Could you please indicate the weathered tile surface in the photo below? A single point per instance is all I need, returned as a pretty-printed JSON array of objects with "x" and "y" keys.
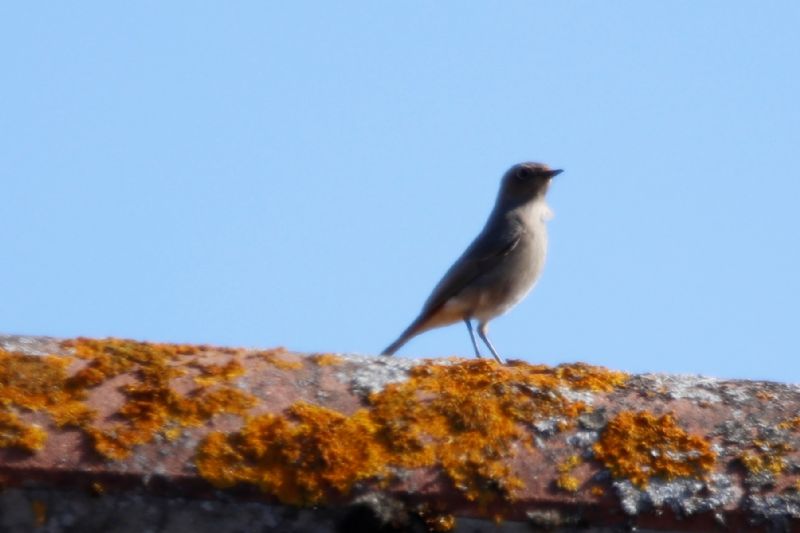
[{"x": 180, "y": 434}]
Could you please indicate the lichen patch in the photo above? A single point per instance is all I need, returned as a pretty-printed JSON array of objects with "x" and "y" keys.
[
  {"x": 464, "y": 417},
  {"x": 639, "y": 446},
  {"x": 152, "y": 404},
  {"x": 482, "y": 437}
]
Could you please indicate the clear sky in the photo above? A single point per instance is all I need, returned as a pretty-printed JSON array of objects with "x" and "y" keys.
[{"x": 302, "y": 174}]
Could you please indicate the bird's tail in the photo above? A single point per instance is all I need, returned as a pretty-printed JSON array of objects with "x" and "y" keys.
[
  {"x": 392, "y": 348},
  {"x": 411, "y": 331}
]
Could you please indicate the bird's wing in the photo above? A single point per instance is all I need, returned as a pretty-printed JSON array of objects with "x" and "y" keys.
[{"x": 481, "y": 256}]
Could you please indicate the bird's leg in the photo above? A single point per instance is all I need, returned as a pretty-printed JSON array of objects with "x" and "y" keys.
[
  {"x": 472, "y": 336},
  {"x": 482, "y": 327}
]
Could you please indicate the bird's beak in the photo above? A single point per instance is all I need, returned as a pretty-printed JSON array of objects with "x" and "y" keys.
[{"x": 556, "y": 172}]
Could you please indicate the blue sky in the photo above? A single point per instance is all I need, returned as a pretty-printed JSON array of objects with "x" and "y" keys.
[{"x": 302, "y": 174}]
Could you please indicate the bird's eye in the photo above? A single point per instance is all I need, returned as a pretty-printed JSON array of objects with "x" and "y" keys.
[{"x": 524, "y": 173}]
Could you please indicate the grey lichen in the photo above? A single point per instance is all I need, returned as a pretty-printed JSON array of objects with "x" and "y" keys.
[
  {"x": 583, "y": 440},
  {"x": 29, "y": 345},
  {"x": 682, "y": 387},
  {"x": 594, "y": 420},
  {"x": 551, "y": 519},
  {"x": 371, "y": 374},
  {"x": 684, "y": 496},
  {"x": 777, "y": 510}
]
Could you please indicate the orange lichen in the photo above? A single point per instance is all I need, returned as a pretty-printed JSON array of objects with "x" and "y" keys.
[
  {"x": 152, "y": 403},
  {"x": 149, "y": 411},
  {"x": 474, "y": 411},
  {"x": 765, "y": 396},
  {"x": 435, "y": 516},
  {"x": 465, "y": 417},
  {"x": 211, "y": 374},
  {"x": 17, "y": 434},
  {"x": 766, "y": 456},
  {"x": 640, "y": 445},
  {"x": 39, "y": 512},
  {"x": 37, "y": 383},
  {"x": 326, "y": 359},
  {"x": 792, "y": 424},
  {"x": 597, "y": 490},
  {"x": 97, "y": 488},
  {"x": 758, "y": 462},
  {"x": 440, "y": 522},
  {"x": 276, "y": 358},
  {"x": 565, "y": 480},
  {"x": 172, "y": 433},
  {"x": 302, "y": 456},
  {"x": 110, "y": 357},
  {"x": 568, "y": 483}
]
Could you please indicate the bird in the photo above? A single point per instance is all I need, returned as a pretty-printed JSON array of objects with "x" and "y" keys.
[{"x": 500, "y": 267}]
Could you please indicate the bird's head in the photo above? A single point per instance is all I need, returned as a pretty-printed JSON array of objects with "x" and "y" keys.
[{"x": 525, "y": 182}]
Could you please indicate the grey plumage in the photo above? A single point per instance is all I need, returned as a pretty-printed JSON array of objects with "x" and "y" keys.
[{"x": 500, "y": 266}]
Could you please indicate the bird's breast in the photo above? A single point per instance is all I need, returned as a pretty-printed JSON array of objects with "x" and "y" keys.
[{"x": 514, "y": 278}]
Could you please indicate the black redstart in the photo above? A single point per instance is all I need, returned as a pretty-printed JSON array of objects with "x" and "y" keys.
[{"x": 501, "y": 265}]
